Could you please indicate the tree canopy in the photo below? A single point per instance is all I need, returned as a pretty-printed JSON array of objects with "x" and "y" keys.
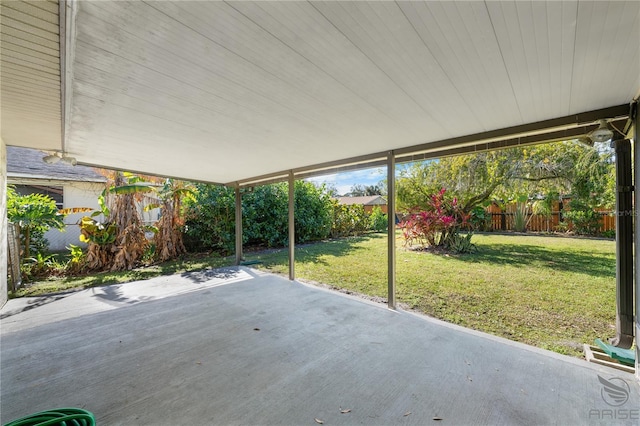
[
  {"x": 570, "y": 168},
  {"x": 359, "y": 190}
]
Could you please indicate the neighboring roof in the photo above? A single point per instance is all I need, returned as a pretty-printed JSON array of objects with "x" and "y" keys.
[
  {"x": 371, "y": 200},
  {"x": 232, "y": 91},
  {"x": 27, "y": 163}
]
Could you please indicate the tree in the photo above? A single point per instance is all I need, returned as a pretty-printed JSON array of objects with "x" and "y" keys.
[
  {"x": 118, "y": 243},
  {"x": 34, "y": 214},
  {"x": 359, "y": 190},
  {"x": 510, "y": 174},
  {"x": 168, "y": 238}
]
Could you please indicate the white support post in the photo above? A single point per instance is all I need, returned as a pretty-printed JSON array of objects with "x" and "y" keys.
[
  {"x": 292, "y": 228},
  {"x": 238, "y": 224},
  {"x": 391, "y": 230}
]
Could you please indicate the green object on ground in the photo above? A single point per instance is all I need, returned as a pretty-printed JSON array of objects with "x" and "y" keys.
[
  {"x": 57, "y": 417},
  {"x": 625, "y": 356},
  {"x": 250, "y": 262}
]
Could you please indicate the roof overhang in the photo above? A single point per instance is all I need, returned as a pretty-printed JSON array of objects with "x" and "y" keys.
[{"x": 245, "y": 92}]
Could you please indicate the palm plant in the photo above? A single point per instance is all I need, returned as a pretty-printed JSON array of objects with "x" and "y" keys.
[
  {"x": 168, "y": 237},
  {"x": 34, "y": 214}
]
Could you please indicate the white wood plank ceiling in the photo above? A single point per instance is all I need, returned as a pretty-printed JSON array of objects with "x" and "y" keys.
[
  {"x": 30, "y": 74},
  {"x": 226, "y": 91}
]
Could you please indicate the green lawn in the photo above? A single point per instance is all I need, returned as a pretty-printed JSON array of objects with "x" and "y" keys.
[{"x": 552, "y": 292}]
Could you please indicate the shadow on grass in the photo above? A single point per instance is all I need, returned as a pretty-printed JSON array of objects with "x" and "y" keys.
[
  {"x": 594, "y": 264},
  {"x": 313, "y": 252}
]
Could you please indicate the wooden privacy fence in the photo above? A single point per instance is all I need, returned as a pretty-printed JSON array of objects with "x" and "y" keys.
[{"x": 504, "y": 221}]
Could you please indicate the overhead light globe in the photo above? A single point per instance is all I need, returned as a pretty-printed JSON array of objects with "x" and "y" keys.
[
  {"x": 602, "y": 134},
  {"x": 51, "y": 159},
  {"x": 70, "y": 160}
]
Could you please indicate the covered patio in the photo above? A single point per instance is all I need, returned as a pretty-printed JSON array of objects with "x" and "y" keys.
[
  {"x": 236, "y": 346},
  {"x": 247, "y": 93}
]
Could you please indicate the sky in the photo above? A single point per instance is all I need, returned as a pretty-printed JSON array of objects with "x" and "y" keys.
[{"x": 343, "y": 181}]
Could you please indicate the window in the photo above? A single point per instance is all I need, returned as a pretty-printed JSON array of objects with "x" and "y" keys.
[{"x": 55, "y": 192}]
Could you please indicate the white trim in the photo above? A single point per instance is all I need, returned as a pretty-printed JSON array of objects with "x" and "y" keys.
[{"x": 39, "y": 178}]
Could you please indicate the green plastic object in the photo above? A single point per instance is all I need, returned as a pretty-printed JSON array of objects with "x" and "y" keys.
[
  {"x": 625, "y": 356},
  {"x": 250, "y": 262},
  {"x": 57, "y": 417}
]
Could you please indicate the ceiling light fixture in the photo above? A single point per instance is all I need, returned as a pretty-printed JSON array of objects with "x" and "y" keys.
[
  {"x": 57, "y": 156},
  {"x": 52, "y": 158},
  {"x": 69, "y": 160},
  {"x": 585, "y": 140},
  {"x": 602, "y": 134}
]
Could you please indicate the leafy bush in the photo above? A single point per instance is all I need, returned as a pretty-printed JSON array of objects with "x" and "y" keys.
[
  {"x": 377, "y": 220},
  {"x": 312, "y": 212},
  {"x": 438, "y": 225},
  {"x": 480, "y": 219},
  {"x": 583, "y": 217},
  {"x": 210, "y": 219},
  {"x": 76, "y": 259},
  {"x": 611, "y": 233},
  {"x": 585, "y": 222},
  {"x": 34, "y": 214},
  {"x": 210, "y": 223},
  {"x": 348, "y": 220},
  {"x": 462, "y": 244},
  {"x": 562, "y": 226},
  {"x": 40, "y": 266}
]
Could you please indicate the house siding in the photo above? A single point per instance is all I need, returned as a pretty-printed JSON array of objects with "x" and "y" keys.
[{"x": 76, "y": 194}]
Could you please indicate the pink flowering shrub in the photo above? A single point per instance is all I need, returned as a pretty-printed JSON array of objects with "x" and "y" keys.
[{"x": 437, "y": 225}]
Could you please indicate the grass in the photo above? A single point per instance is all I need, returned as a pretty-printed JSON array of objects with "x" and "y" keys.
[
  {"x": 552, "y": 292},
  {"x": 188, "y": 264}
]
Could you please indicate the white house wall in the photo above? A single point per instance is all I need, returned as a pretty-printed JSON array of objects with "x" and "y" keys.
[{"x": 76, "y": 194}]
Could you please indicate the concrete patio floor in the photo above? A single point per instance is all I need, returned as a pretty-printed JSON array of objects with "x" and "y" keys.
[{"x": 237, "y": 346}]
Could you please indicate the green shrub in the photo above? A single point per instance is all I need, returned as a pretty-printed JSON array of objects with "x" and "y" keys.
[
  {"x": 377, "y": 220},
  {"x": 34, "y": 214},
  {"x": 210, "y": 219},
  {"x": 210, "y": 216},
  {"x": 265, "y": 215},
  {"x": 461, "y": 243},
  {"x": 480, "y": 219},
  {"x": 348, "y": 220},
  {"x": 40, "y": 266},
  {"x": 562, "y": 226},
  {"x": 585, "y": 222},
  {"x": 76, "y": 260},
  {"x": 312, "y": 212},
  {"x": 611, "y": 233}
]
